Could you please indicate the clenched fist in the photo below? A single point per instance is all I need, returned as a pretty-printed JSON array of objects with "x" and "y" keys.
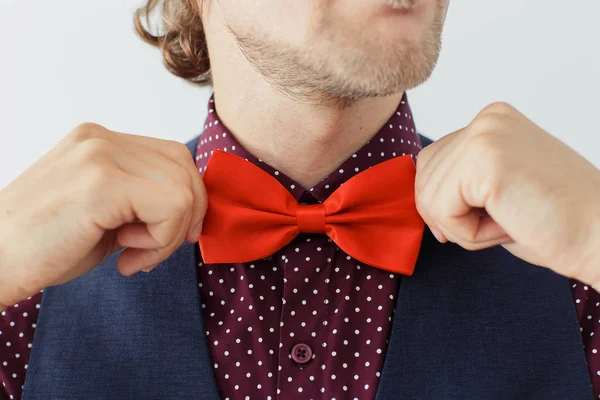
[
  {"x": 96, "y": 193},
  {"x": 503, "y": 180}
]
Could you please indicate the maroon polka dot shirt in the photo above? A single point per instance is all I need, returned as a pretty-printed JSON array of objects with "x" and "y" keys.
[{"x": 305, "y": 322}]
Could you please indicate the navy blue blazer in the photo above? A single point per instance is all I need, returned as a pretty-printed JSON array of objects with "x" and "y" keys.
[{"x": 468, "y": 325}]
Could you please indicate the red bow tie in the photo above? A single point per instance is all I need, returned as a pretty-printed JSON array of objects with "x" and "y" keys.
[{"x": 372, "y": 217}]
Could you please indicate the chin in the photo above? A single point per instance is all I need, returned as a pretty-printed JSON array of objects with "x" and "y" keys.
[{"x": 390, "y": 67}]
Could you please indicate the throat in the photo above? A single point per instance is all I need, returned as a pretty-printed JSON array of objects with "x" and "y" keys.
[{"x": 309, "y": 143}]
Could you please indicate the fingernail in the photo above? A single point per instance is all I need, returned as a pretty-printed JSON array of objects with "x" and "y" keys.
[
  {"x": 149, "y": 269},
  {"x": 438, "y": 235}
]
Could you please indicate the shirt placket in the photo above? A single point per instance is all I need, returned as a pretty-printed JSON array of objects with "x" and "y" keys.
[{"x": 304, "y": 317}]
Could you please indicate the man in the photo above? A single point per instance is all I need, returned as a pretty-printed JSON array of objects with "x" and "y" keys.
[{"x": 306, "y": 283}]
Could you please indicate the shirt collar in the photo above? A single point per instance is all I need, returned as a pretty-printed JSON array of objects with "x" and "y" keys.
[{"x": 396, "y": 138}]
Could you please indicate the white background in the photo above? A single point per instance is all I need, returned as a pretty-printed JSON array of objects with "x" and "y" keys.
[{"x": 63, "y": 62}]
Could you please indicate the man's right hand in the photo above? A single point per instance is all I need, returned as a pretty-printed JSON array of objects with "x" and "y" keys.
[{"x": 95, "y": 193}]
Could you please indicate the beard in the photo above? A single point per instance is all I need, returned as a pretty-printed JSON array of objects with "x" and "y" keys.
[{"x": 333, "y": 70}]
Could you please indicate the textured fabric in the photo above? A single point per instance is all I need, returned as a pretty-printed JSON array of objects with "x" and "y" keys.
[
  {"x": 483, "y": 325},
  {"x": 587, "y": 303},
  {"x": 457, "y": 323},
  {"x": 308, "y": 292},
  {"x": 110, "y": 337},
  {"x": 456, "y": 335},
  {"x": 373, "y": 217},
  {"x": 17, "y": 326}
]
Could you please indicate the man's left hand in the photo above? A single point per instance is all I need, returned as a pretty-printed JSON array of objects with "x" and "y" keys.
[{"x": 503, "y": 180}]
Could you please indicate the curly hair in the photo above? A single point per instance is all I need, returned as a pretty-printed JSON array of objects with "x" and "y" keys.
[{"x": 179, "y": 35}]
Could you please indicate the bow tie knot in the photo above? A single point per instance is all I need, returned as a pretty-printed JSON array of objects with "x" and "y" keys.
[{"x": 311, "y": 218}]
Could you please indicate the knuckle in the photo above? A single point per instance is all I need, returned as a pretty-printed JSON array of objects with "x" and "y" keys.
[
  {"x": 499, "y": 107},
  {"x": 166, "y": 236},
  {"x": 165, "y": 241},
  {"x": 177, "y": 149},
  {"x": 482, "y": 143},
  {"x": 183, "y": 175},
  {"x": 96, "y": 179},
  {"x": 85, "y": 131},
  {"x": 101, "y": 173},
  {"x": 182, "y": 200},
  {"x": 93, "y": 150},
  {"x": 483, "y": 124}
]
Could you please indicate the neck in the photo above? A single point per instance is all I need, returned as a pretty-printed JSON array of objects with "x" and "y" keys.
[{"x": 306, "y": 139}]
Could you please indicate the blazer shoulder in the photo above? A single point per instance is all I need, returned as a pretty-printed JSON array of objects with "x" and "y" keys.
[
  {"x": 425, "y": 141},
  {"x": 192, "y": 144}
]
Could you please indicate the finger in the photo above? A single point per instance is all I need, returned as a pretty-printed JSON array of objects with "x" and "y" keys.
[
  {"x": 144, "y": 251},
  {"x": 137, "y": 235},
  {"x": 430, "y": 190},
  {"x": 152, "y": 166},
  {"x": 428, "y": 157},
  {"x": 474, "y": 232},
  {"x": 149, "y": 269},
  {"x": 164, "y": 209},
  {"x": 481, "y": 213},
  {"x": 132, "y": 260},
  {"x": 155, "y": 166},
  {"x": 445, "y": 207},
  {"x": 180, "y": 154},
  {"x": 438, "y": 235}
]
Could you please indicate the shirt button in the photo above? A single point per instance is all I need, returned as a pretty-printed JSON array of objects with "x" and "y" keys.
[{"x": 301, "y": 353}]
